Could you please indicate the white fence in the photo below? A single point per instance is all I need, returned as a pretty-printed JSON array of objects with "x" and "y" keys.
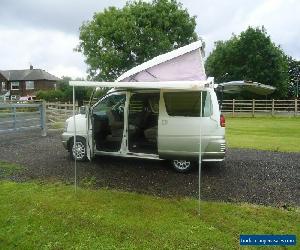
[
  {"x": 59, "y": 112},
  {"x": 261, "y": 107}
]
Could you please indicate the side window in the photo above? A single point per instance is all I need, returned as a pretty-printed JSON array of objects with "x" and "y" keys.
[
  {"x": 3, "y": 86},
  {"x": 29, "y": 84},
  {"x": 188, "y": 103},
  {"x": 141, "y": 100},
  {"x": 111, "y": 102},
  {"x": 206, "y": 104}
]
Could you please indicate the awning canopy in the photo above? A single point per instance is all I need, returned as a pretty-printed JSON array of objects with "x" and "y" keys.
[{"x": 172, "y": 85}]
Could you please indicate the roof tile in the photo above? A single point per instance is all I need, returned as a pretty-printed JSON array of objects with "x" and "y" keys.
[{"x": 28, "y": 75}]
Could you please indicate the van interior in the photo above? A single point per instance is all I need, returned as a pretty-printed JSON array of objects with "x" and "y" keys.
[
  {"x": 108, "y": 122},
  {"x": 143, "y": 123}
]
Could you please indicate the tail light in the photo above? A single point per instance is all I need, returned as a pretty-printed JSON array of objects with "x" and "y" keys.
[{"x": 222, "y": 121}]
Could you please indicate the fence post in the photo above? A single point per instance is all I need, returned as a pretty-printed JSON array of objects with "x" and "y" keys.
[
  {"x": 43, "y": 118},
  {"x": 233, "y": 103},
  {"x": 66, "y": 109},
  {"x": 253, "y": 107},
  {"x": 15, "y": 117},
  {"x": 296, "y": 107},
  {"x": 273, "y": 106}
]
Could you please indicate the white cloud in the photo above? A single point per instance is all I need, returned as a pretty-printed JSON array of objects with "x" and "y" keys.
[
  {"x": 50, "y": 50},
  {"x": 217, "y": 20},
  {"x": 281, "y": 19},
  {"x": 65, "y": 15},
  {"x": 44, "y": 33}
]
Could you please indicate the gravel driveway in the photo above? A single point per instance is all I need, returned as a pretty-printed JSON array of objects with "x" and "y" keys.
[{"x": 261, "y": 177}]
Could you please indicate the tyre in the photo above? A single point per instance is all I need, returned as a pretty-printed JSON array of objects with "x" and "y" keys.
[
  {"x": 80, "y": 149},
  {"x": 182, "y": 166}
]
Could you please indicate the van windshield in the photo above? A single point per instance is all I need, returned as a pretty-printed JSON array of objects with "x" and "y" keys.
[{"x": 188, "y": 103}]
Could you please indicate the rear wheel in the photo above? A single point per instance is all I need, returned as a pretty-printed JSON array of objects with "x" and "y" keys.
[
  {"x": 78, "y": 152},
  {"x": 182, "y": 166}
]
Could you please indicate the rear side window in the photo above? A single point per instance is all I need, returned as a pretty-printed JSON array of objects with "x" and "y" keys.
[{"x": 188, "y": 103}]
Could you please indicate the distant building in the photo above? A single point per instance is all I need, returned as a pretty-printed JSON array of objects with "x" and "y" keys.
[{"x": 26, "y": 82}]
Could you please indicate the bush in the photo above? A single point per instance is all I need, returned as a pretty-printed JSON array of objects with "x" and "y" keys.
[
  {"x": 64, "y": 93},
  {"x": 50, "y": 95}
]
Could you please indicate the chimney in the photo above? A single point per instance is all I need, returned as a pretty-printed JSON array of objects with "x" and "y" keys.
[{"x": 31, "y": 67}]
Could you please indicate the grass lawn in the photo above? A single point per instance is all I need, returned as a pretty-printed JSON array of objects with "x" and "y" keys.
[
  {"x": 7, "y": 169},
  {"x": 52, "y": 216},
  {"x": 57, "y": 125},
  {"x": 266, "y": 133}
]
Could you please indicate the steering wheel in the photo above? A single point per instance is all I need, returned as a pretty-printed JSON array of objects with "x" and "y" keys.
[{"x": 121, "y": 109}]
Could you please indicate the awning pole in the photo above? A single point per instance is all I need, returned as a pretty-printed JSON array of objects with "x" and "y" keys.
[
  {"x": 200, "y": 155},
  {"x": 74, "y": 144}
]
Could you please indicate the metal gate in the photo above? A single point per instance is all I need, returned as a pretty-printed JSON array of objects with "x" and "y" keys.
[{"x": 22, "y": 116}]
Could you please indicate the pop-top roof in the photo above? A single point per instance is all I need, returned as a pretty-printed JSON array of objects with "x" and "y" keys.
[{"x": 184, "y": 63}]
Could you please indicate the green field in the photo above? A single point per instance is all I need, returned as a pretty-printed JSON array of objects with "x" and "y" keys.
[
  {"x": 265, "y": 133},
  {"x": 52, "y": 216}
]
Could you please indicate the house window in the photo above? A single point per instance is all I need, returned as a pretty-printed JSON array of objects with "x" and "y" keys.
[
  {"x": 15, "y": 85},
  {"x": 29, "y": 84},
  {"x": 3, "y": 86}
]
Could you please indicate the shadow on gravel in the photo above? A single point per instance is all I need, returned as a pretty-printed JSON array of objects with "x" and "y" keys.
[{"x": 261, "y": 177}]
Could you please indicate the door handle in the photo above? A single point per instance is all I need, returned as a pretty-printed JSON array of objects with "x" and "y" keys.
[{"x": 164, "y": 122}]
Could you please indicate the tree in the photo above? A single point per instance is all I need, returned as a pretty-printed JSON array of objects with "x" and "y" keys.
[
  {"x": 115, "y": 40},
  {"x": 81, "y": 93},
  {"x": 294, "y": 77},
  {"x": 250, "y": 56}
]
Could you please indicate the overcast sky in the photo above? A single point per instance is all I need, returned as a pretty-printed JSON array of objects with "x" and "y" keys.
[{"x": 44, "y": 33}]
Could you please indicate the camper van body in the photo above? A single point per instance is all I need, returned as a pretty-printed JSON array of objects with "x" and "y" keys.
[{"x": 153, "y": 124}]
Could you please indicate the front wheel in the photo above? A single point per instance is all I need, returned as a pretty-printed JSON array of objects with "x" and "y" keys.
[
  {"x": 78, "y": 152},
  {"x": 182, "y": 166}
]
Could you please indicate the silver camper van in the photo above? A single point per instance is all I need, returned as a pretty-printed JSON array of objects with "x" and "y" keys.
[
  {"x": 151, "y": 124},
  {"x": 165, "y": 108}
]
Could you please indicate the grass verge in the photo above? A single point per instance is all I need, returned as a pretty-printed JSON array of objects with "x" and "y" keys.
[
  {"x": 264, "y": 133},
  {"x": 8, "y": 169},
  {"x": 56, "y": 125},
  {"x": 52, "y": 216}
]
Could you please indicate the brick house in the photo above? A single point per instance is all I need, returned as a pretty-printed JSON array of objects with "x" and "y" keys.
[{"x": 17, "y": 83}]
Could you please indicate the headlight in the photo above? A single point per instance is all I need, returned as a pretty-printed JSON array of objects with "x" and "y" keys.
[{"x": 66, "y": 126}]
